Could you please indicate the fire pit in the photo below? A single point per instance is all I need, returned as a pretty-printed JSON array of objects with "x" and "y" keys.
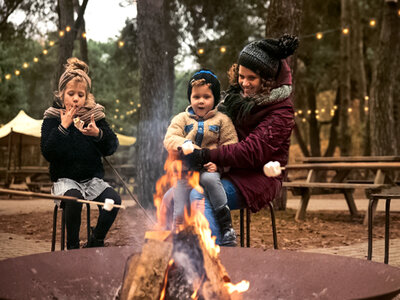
[{"x": 98, "y": 274}]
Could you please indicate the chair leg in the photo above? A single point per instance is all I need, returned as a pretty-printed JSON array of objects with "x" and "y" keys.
[
  {"x": 63, "y": 229},
  {"x": 248, "y": 228},
  {"x": 241, "y": 227},
  {"x": 387, "y": 227},
  {"x": 53, "y": 236},
  {"x": 274, "y": 235},
  {"x": 88, "y": 220},
  {"x": 370, "y": 227}
]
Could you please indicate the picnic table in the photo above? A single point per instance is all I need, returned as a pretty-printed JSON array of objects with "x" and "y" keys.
[
  {"x": 382, "y": 168},
  {"x": 33, "y": 178}
]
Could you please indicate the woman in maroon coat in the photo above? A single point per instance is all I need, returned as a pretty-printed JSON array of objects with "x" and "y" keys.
[{"x": 259, "y": 103}]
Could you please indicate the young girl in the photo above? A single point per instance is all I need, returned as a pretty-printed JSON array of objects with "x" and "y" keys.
[
  {"x": 203, "y": 125},
  {"x": 75, "y": 136}
]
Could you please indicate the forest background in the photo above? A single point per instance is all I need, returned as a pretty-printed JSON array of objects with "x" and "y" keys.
[{"x": 346, "y": 70}]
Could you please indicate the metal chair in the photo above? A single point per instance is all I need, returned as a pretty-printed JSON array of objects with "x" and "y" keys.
[
  {"x": 248, "y": 220},
  {"x": 391, "y": 194},
  {"x": 55, "y": 212}
]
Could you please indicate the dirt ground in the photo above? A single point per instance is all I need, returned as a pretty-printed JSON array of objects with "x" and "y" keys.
[{"x": 321, "y": 229}]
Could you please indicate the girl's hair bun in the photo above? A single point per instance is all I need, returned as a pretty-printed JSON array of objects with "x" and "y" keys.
[
  {"x": 287, "y": 45},
  {"x": 74, "y": 63}
]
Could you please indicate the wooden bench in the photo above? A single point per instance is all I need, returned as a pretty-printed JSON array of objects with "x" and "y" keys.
[{"x": 338, "y": 184}]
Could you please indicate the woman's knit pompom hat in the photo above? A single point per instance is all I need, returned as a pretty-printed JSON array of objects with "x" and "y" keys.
[
  {"x": 263, "y": 57},
  {"x": 210, "y": 78}
]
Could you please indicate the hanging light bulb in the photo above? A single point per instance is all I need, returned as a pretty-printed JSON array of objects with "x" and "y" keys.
[
  {"x": 35, "y": 59},
  {"x": 84, "y": 35},
  {"x": 17, "y": 72},
  {"x": 51, "y": 43},
  {"x": 68, "y": 28},
  {"x": 45, "y": 52},
  {"x": 61, "y": 33},
  {"x": 200, "y": 51},
  {"x": 25, "y": 65},
  {"x": 345, "y": 31},
  {"x": 222, "y": 49},
  {"x": 319, "y": 35},
  {"x": 7, "y": 76},
  {"x": 372, "y": 22},
  {"x": 121, "y": 44}
]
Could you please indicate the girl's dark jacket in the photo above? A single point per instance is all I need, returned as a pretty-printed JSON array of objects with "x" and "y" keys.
[
  {"x": 74, "y": 155},
  {"x": 264, "y": 135}
]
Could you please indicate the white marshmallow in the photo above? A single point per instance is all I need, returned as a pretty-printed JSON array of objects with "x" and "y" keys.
[
  {"x": 108, "y": 204},
  {"x": 272, "y": 169},
  {"x": 187, "y": 147}
]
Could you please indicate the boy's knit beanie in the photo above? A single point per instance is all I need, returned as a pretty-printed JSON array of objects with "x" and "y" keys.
[
  {"x": 210, "y": 78},
  {"x": 263, "y": 57}
]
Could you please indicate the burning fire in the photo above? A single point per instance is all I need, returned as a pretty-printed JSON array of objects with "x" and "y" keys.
[{"x": 195, "y": 217}]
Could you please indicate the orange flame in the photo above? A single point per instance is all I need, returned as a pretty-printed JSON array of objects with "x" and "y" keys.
[
  {"x": 162, "y": 295},
  {"x": 199, "y": 221},
  {"x": 173, "y": 172},
  {"x": 239, "y": 287},
  {"x": 193, "y": 217}
]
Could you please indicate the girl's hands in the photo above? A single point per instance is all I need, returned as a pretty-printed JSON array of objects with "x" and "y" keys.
[
  {"x": 91, "y": 129},
  {"x": 67, "y": 117},
  {"x": 210, "y": 167}
]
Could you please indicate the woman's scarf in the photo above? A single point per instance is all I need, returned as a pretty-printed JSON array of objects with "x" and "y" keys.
[
  {"x": 237, "y": 106},
  {"x": 84, "y": 113}
]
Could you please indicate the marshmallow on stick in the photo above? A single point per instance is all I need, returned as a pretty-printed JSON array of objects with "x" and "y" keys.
[
  {"x": 108, "y": 204},
  {"x": 187, "y": 147},
  {"x": 273, "y": 169}
]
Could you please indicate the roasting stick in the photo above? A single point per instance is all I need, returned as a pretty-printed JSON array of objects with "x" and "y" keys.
[
  {"x": 107, "y": 206},
  {"x": 130, "y": 193}
]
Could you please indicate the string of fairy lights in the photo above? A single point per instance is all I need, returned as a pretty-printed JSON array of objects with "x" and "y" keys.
[
  {"x": 201, "y": 51},
  {"x": 45, "y": 51},
  {"x": 122, "y": 116}
]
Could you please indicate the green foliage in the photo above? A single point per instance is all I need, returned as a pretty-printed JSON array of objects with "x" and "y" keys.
[
  {"x": 212, "y": 24},
  {"x": 31, "y": 90},
  {"x": 115, "y": 76}
]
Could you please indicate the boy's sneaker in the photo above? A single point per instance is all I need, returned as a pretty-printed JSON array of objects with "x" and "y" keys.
[{"x": 229, "y": 238}]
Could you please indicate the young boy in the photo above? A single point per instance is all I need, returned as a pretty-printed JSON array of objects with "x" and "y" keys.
[{"x": 205, "y": 127}]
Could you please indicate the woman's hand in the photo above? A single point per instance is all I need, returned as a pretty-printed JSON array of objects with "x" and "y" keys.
[
  {"x": 210, "y": 167},
  {"x": 67, "y": 117},
  {"x": 91, "y": 129}
]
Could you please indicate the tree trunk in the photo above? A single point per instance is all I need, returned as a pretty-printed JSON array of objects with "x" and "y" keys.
[
  {"x": 344, "y": 81},
  {"x": 82, "y": 40},
  {"x": 358, "y": 72},
  {"x": 382, "y": 100},
  {"x": 156, "y": 93},
  {"x": 313, "y": 123},
  {"x": 284, "y": 16},
  {"x": 333, "y": 136},
  {"x": 66, "y": 42}
]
